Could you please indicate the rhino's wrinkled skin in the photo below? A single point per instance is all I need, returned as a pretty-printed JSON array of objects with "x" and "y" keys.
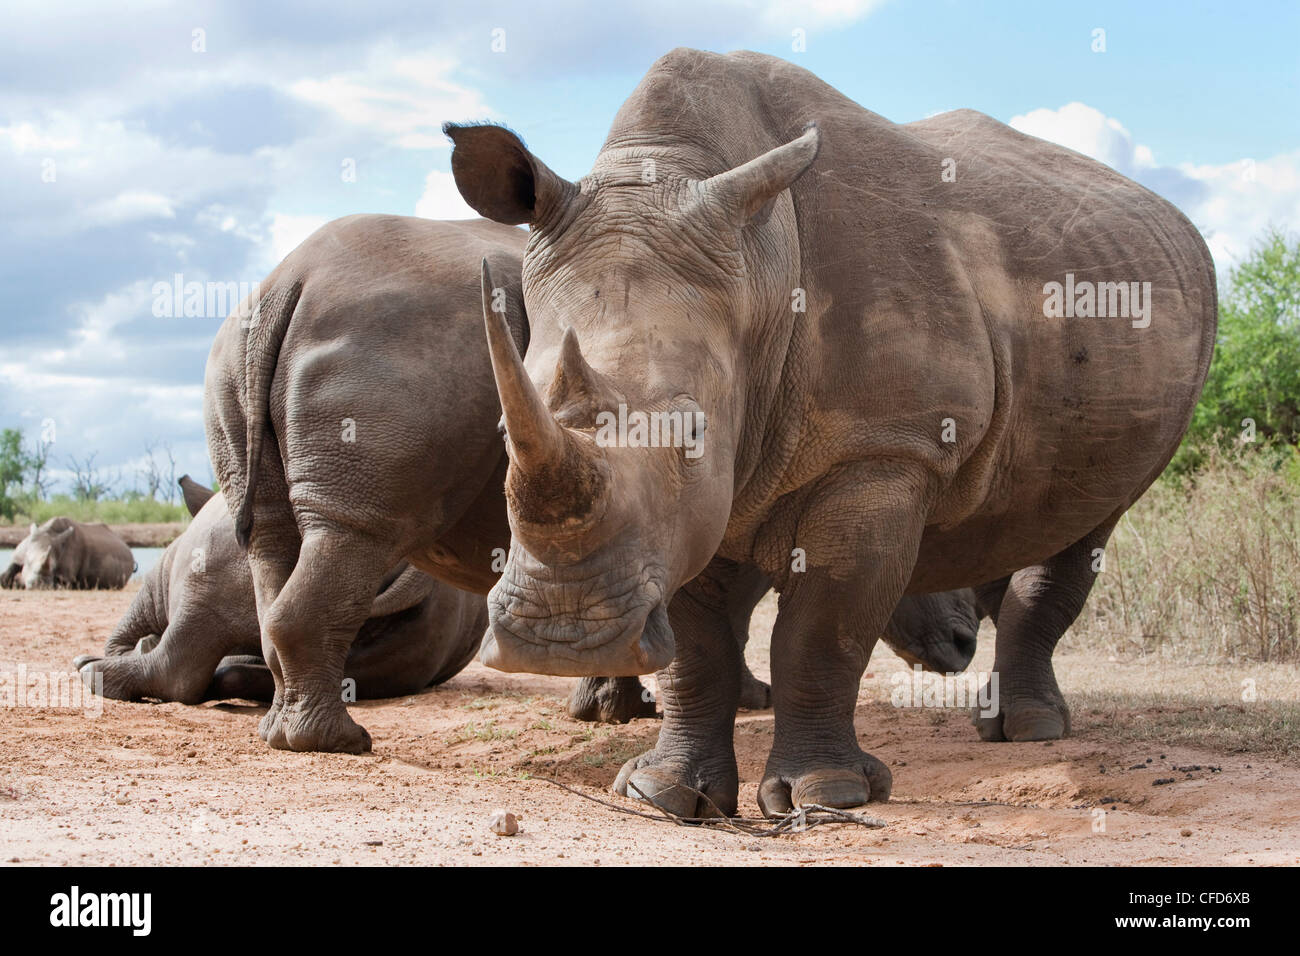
[
  {"x": 881, "y": 389},
  {"x": 191, "y": 633},
  {"x": 63, "y": 553}
]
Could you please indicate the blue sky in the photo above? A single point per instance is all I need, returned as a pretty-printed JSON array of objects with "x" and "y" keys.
[{"x": 159, "y": 138}]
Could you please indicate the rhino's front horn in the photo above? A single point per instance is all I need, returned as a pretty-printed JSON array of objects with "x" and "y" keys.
[{"x": 536, "y": 439}]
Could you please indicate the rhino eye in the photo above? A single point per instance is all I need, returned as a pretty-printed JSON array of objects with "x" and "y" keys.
[{"x": 578, "y": 415}]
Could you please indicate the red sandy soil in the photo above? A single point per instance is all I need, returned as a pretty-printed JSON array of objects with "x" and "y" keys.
[{"x": 165, "y": 783}]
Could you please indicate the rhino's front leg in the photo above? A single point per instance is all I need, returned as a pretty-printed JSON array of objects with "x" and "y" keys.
[
  {"x": 859, "y": 538},
  {"x": 691, "y": 772}
]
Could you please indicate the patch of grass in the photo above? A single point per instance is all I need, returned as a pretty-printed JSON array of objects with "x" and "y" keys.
[
  {"x": 1206, "y": 567},
  {"x": 485, "y": 731},
  {"x": 126, "y": 510},
  {"x": 493, "y": 701},
  {"x": 1269, "y": 728}
]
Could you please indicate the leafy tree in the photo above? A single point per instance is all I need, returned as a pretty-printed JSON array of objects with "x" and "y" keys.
[
  {"x": 1254, "y": 383},
  {"x": 14, "y": 464}
]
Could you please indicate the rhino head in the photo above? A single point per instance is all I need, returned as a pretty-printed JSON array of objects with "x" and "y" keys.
[
  {"x": 624, "y": 426},
  {"x": 39, "y": 554},
  {"x": 937, "y": 631}
]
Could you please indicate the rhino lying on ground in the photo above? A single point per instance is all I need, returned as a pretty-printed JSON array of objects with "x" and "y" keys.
[
  {"x": 191, "y": 633},
  {"x": 870, "y": 366},
  {"x": 63, "y": 553},
  {"x": 371, "y": 333}
]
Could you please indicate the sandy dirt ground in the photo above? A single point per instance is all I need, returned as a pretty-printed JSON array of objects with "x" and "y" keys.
[{"x": 165, "y": 783}]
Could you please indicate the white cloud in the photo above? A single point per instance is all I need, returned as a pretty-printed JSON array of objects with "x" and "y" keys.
[
  {"x": 288, "y": 232},
  {"x": 129, "y": 206},
  {"x": 1231, "y": 203},
  {"x": 403, "y": 99},
  {"x": 1088, "y": 131},
  {"x": 94, "y": 333},
  {"x": 1244, "y": 198},
  {"x": 79, "y": 173},
  {"x": 807, "y": 14},
  {"x": 441, "y": 199}
]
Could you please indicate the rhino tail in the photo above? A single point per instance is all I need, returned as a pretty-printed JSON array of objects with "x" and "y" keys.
[
  {"x": 406, "y": 590},
  {"x": 266, "y": 329}
]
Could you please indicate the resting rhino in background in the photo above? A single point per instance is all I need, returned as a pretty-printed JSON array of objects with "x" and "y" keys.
[
  {"x": 63, "y": 553},
  {"x": 822, "y": 310},
  {"x": 371, "y": 333},
  {"x": 193, "y": 624}
]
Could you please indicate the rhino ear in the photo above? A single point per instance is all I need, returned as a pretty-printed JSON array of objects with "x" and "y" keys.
[
  {"x": 500, "y": 179},
  {"x": 195, "y": 494},
  {"x": 746, "y": 194},
  {"x": 32, "y": 530}
]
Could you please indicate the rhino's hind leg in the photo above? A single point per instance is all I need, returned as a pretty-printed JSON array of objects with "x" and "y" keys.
[
  {"x": 174, "y": 667},
  {"x": 306, "y": 633},
  {"x": 691, "y": 772},
  {"x": 1040, "y": 603}
]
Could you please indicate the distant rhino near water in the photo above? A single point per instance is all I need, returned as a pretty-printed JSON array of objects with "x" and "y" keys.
[
  {"x": 191, "y": 634},
  {"x": 63, "y": 553}
]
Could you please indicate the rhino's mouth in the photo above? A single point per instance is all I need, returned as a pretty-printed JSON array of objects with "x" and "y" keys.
[
  {"x": 619, "y": 637},
  {"x": 949, "y": 655},
  {"x": 39, "y": 582},
  {"x": 602, "y": 615}
]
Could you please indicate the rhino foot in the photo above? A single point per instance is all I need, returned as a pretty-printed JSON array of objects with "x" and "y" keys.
[
  {"x": 114, "y": 678},
  {"x": 860, "y": 778},
  {"x": 685, "y": 787},
  {"x": 1024, "y": 719},
  {"x": 304, "y": 724},
  {"x": 611, "y": 700}
]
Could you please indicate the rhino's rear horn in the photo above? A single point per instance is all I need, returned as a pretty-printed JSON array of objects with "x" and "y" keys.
[{"x": 747, "y": 192}]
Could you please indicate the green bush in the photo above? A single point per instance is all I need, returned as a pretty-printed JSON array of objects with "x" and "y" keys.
[
  {"x": 129, "y": 509},
  {"x": 1254, "y": 379}
]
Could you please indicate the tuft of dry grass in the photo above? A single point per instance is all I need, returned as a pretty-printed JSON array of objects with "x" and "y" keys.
[{"x": 1207, "y": 567}]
